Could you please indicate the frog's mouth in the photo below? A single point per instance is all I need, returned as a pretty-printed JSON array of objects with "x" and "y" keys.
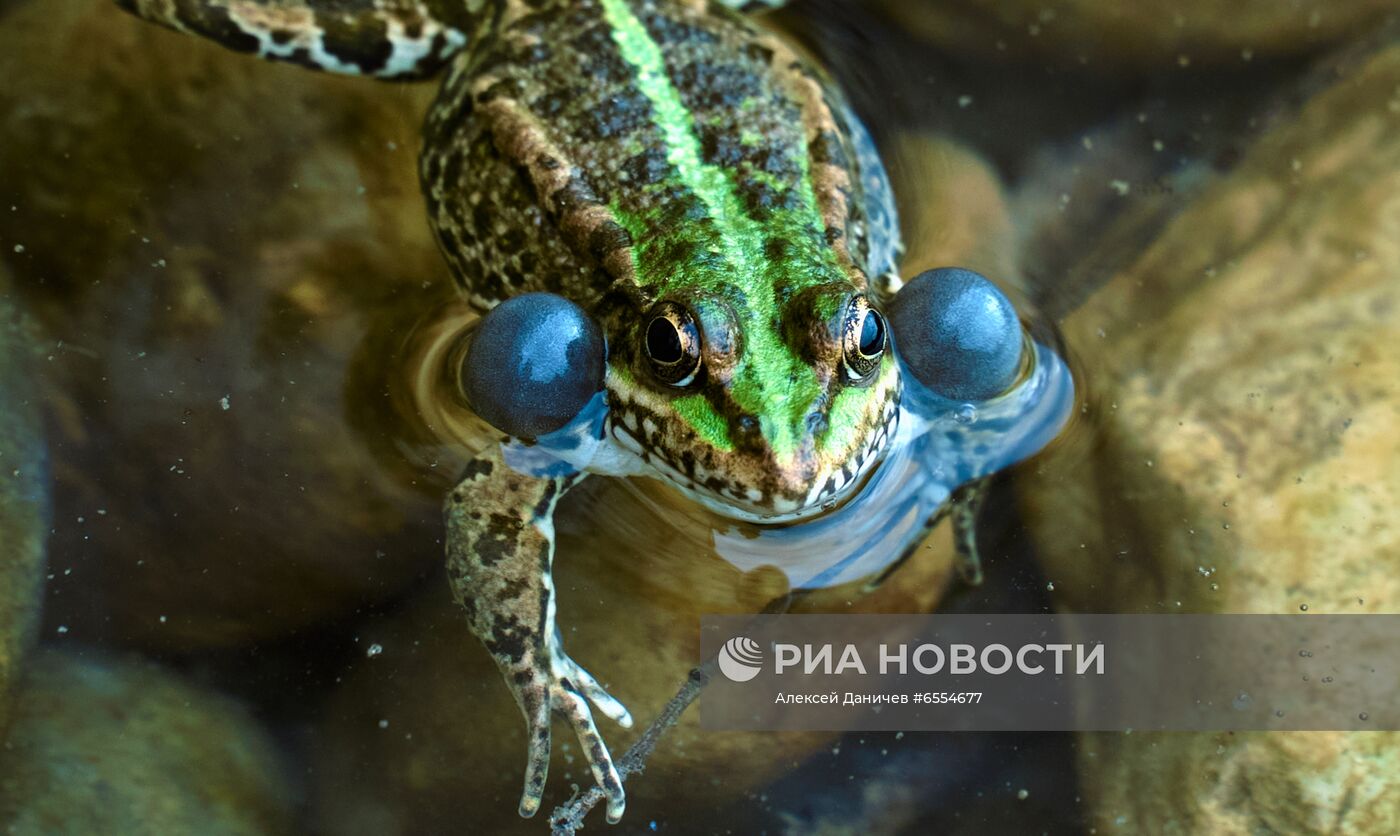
[{"x": 752, "y": 489}]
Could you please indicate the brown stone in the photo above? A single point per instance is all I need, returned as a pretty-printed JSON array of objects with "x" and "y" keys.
[
  {"x": 229, "y": 255},
  {"x": 123, "y": 747},
  {"x": 24, "y": 495},
  {"x": 952, "y": 208},
  {"x": 1237, "y": 453}
]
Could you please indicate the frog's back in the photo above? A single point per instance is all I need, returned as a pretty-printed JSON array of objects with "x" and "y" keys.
[{"x": 645, "y": 147}]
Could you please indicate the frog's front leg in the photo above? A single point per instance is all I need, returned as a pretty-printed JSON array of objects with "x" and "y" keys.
[
  {"x": 964, "y": 506},
  {"x": 500, "y": 549}
]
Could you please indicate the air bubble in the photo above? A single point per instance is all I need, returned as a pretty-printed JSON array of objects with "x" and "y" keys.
[
  {"x": 965, "y": 414},
  {"x": 1242, "y": 702}
]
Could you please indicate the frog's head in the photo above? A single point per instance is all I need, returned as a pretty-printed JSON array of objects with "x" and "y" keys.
[
  {"x": 765, "y": 408},
  {"x": 768, "y": 408}
]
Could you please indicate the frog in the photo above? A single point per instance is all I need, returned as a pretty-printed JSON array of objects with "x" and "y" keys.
[{"x": 683, "y": 248}]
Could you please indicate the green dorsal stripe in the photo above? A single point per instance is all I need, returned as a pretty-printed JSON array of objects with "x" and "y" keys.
[
  {"x": 743, "y": 237},
  {"x": 774, "y": 384}
]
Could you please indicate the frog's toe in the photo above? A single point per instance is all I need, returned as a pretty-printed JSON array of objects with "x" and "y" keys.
[
  {"x": 575, "y": 708},
  {"x": 530, "y": 804},
  {"x": 537, "y": 722},
  {"x": 598, "y": 695}
]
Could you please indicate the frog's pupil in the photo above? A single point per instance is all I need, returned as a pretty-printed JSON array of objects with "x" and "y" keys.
[
  {"x": 872, "y": 334},
  {"x": 664, "y": 341}
]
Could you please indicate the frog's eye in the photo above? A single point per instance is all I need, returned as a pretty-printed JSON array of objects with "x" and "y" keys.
[
  {"x": 534, "y": 361},
  {"x": 958, "y": 334},
  {"x": 863, "y": 340},
  {"x": 672, "y": 342}
]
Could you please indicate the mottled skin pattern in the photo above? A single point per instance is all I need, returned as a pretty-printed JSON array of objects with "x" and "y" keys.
[
  {"x": 402, "y": 39},
  {"x": 635, "y": 156},
  {"x": 499, "y": 565}
]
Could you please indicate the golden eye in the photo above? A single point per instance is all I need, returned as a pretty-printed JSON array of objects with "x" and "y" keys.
[
  {"x": 864, "y": 338},
  {"x": 672, "y": 343}
]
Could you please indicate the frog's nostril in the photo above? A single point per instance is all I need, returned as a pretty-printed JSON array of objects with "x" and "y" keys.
[{"x": 747, "y": 431}]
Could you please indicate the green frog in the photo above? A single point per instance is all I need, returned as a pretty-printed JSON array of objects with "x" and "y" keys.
[{"x": 684, "y": 247}]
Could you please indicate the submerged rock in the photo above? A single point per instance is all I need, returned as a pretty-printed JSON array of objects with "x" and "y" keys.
[
  {"x": 952, "y": 208},
  {"x": 24, "y": 496},
  {"x": 1237, "y": 453},
  {"x": 218, "y": 246},
  {"x": 125, "y": 748}
]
